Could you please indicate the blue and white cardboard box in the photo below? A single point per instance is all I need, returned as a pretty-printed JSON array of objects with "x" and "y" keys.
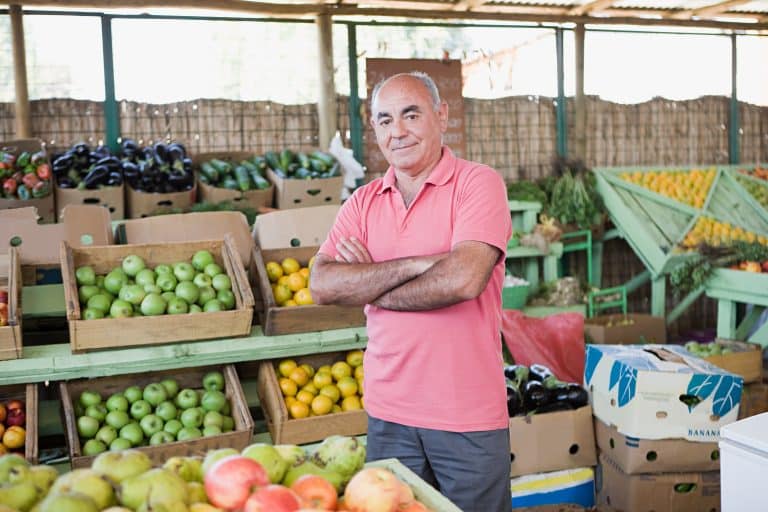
[
  {"x": 660, "y": 392},
  {"x": 572, "y": 486}
]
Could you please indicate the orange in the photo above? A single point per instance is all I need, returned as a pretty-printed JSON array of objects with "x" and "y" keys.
[
  {"x": 359, "y": 372},
  {"x": 321, "y": 404},
  {"x": 347, "y": 386},
  {"x": 299, "y": 410},
  {"x": 303, "y": 297},
  {"x": 288, "y": 387},
  {"x": 360, "y": 386},
  {"x": 336, "y": 408},
  {"x": 274, "y": 271},
  {"x": 299, "y": 376},
  {"x": 305, "y": 273},
  {"x": 340, "y": 369},
  {"x": 331, "y": 392},
  {"x": 290, "y": 303},
  {"x": 311, "y": 262},
  {"x": 290, "y": 400},
  {"x": 351, "y": 403},
  {"x": 305, "y": 396},
  {"x": 355, "y": 358},
  {"x": 308, "y": 368},
  {"x": 296, "y": 282},
  {"x": 324, "y": 368},
  {"x": 311, "y": 388},
  {"x": 290, "y": 265},
  {"x": 286, "y": 366},
  {"x": 282, "y": 294},
  {"x": 322, "y": 379},
  {"x": 283, "y": 280}
]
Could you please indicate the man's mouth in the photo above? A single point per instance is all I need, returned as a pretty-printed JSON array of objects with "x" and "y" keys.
[{"x": 404, "y": 146}]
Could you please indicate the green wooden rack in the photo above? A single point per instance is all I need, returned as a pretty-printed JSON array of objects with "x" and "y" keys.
[{"x": 529, "y": 262}]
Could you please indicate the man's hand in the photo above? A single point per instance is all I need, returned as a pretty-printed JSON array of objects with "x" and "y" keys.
[{"x": 352, "y": 250}]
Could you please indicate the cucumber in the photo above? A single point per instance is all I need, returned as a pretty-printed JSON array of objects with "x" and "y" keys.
[{"x": 243, "y": 178}]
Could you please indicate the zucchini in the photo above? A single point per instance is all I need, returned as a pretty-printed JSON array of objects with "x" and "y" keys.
[
  {"x": 326, "y": 158},
  {"x": 286, "y": 158},
  {"x": 303, "y": 160},
  {"x": 210, "y": 172},
  {"x": 221, "y": 166},
  {"x": 260, "y": 162},
  {"x": 259, "y": 180},
  {"x": 302, "y": 174},
  {"x": 273, "y": 161},
  {"x": 243, "y": 178},
  {"x": 230, "y": 183}
]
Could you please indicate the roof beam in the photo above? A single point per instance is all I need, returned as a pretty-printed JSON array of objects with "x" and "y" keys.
[
  {"x": 707, "y": 11},
  {"x": 468, "y": 5},
  {"x": 243, "y": 6},
  {"x": 591, "y": 6}
]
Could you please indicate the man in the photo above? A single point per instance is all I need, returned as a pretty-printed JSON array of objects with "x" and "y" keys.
[{"x": 423, "y": 248}]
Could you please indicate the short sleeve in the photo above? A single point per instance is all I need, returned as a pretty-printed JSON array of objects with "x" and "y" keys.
[
  {"x": 482, "y": 213},
  {"x": 347, "y": 224}
]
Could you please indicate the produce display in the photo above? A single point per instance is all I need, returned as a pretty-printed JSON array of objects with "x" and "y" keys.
[
  {"x": 26, "y": 176},
  {"x": 3, "y": 308},
  {"x": 290, "y": 282},
  {"x": 706, "y": 349},
  {"x": 716, "y": 233},
  {"x": 695, "y": 272},
  {"x": 195, "y": 286},
  {"x": 535, "y": 390},
  {"x": 302, "y": 166},
  {"x": 573, "y": 197},
  {"x": 84, "y": 168},
  {"x": 161, "y": 168},
  {"x": 159, "y": 413},
  {"x": 689, "y": 187},
  {"x": 13, "y": 422},
  {"x": 329, "y": 389},
  {"x": 758, "y": 190},
  {"x": 281, "y": 478},
  {"x": 758, "y": 172},
  {"x": 244, "y": 176}
]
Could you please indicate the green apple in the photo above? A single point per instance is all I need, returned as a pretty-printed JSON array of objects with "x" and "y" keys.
[
  {"x": 166, "y": 411},
  {"x": 133, "y": 264},
  {"x": 161, "y": 437},
  {"x": 117, "y": 419},
  {"x": 92, "y": 314},
  {"x": 121, "y": 309},
  {"x": 133, "y": 433},
  {"x": 87, "y": 426},
  {"x": 153, "y": 288},
  {"x": 172, "y": 427},
  {"x": 166, "y": 282},
  {"x": 226, "y": 410},
  {"x": 155, "y": 393},
  {"x": 228, "y": 424},
  {"x": 171, "y": 387},
  {"x": 106, "y": 435},
  {"x": 145, "y": 276},
  {"x": 163, "y": 269},
  {"x": 99, "y": 302},
  {"x": 213, "y": 418},
  {"x": 85, "y": 276},
  {"x": 168, "y": 296},
  {"x": 87, "y": 291},
  {"x": 133, "y": 393},
  {"x": 211, "y": 430},
  {"x": 188, "y": 433},
  {"x": 201, "y": 259},
  {"x": 227, "y": 299},
  {"x": 151, "y": 424},
  {"x": 213, "y": 305},
  {"x": 88, "y": 397},
  {"x": 132, "y": 293},
  {"x": 213, "y": 380},
  {"x": 115, "y": 280},
  {"x": 100, "y": 281},
  {"x": 117, "y": 402},
  {"x": 153, "y": 305},
  {"x": 192, "y": 417},
  {"x": 202, "y": 280},
  {"x": 207, "y": 293},
  {"x": 97, "y": 411},
  {"x": 184, "y": 271},
  {"x": 140, "y": 408},
  {"x": 187, "y": 291},
  {"x": 94, "y": 447},
  {"x": 177, "y": 306},
  {"x": 212, "y": 270},
  {"x": 120, "y": 444},
  {"x": 187, "y": 398},
  {"x": 194, "y": 308},
  {"x": 213, "y": 400},
  {"x": 222, "y": 282}
]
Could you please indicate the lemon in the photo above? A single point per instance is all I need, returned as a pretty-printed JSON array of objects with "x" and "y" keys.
[
  {"x": 282, "y": 294},
  {"x": 359, "y": 373},
  {"x": 351, "y": 403},
  {"x": 340, "y": 369},
  {"x": 304, "y": 272},
  {"x": 331, "y": 392},
  {"x": 286, "y": 366},
  {"x": 296, "y": 282},
  {"x": 305, "y": 396},
  {"x": 322, "y": 379},
  {"x": 288, "y": 387},
  {"x": 299, "y": 376},
  {"x": 336, "y": 408},
  {"x": 299, "y": 410},
  {"x": 347, "y": 386},
  {"x": 324, "y": 368},
  {"x": 321, "y": 404},
  {"x": 274, "y": 271},
  {"x": 283, "y": 280},
  {"x": 303, "y": 297},
  {"x": 290, "y": 265},
  {"x": 308, "y": 368},
  {"x": 311, "y": 388},
  {"x": 355, "y": 358},
  {"x": 290, "y": 303}
]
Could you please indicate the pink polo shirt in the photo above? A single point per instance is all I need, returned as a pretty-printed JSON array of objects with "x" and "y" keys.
[{"x": 438, "y": 369}]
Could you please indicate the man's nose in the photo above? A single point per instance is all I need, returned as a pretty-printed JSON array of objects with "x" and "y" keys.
[{"x": 398, "y": 128}]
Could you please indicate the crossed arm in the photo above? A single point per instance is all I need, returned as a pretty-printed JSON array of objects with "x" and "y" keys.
[{"x": 405, "y": 284}]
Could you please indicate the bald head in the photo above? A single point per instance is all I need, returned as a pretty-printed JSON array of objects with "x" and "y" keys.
[{"x": 422, "y": 77}]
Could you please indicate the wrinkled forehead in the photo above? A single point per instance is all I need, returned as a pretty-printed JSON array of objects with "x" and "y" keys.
[{"x": 401, "y": 90}]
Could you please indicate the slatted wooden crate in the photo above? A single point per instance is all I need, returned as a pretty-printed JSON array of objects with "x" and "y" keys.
[
  {"x": 10, "y": 279},
  {"x": 27, "y": 393}
]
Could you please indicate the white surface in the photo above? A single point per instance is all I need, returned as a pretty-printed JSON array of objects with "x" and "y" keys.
[
  {"x": 744, "y": 464},
  {"x": 751, "y": 432}
]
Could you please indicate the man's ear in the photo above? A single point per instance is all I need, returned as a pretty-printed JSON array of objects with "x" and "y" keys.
[{"x": 443, "y": 116}]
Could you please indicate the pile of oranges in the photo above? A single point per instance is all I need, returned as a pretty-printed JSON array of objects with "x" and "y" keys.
[
  {"x": 717, "y": 234},
  {"x": 290, "y": 282},
  {"x": 328, "y": 389},
  {"x": 689, "y": 187}
]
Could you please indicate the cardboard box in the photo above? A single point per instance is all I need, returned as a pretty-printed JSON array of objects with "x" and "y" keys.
[
  {"x": 754, "y": 399},
  {"x": 293, "y": 193},
  {"x": 111, "y": 198},
  {"x": 27, "y": 393},
  {"x": 45, "y": 206},
  {"x": 644, "y": 390},
  {"x": 10, "y": 281},
  {"x": 663, "y": 492},
  {"x": 144, "y": 204},
  {"x": 296, "y": 234},
  {"x": 38, "y": 245},
  {"x": 151, "y": 330},
  {"x": 571, "y": 486},
  {"x": 253, "y": 198},
  {"x": 745, "y": 360},
  {"x": 637, "y": 456},
  {"x": 191, "y": 378},
  {"x": 552, "y": 441},
  {"x": 625, "y": 329},
  {"x": 286, "y": 430}
]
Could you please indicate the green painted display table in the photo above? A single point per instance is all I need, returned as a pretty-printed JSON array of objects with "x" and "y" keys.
[
  {"x": 43, "y": 301},
  {"x": 730, "y": 287}
]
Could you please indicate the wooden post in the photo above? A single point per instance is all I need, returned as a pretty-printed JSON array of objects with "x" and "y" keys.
[
  {"x": 23, "y": 119},
  {"x": 580, "y": 112},
  {"x": 326, "y": 105}
]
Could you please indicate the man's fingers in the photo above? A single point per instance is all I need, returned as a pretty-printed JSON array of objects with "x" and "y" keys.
[{"x": 360, "y": 249}]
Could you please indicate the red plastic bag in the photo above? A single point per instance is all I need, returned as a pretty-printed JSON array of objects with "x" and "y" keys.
[{"x": 556, "y": 341}]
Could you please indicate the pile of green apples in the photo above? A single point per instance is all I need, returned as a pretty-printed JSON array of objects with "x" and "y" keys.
[
  {"x": 159, "y": 413},
  {"x": 706, "y": 349},
  {"x": 133, "y": 289}
]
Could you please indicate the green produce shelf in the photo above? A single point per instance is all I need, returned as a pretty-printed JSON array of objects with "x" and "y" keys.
[{"x": 730, "y": 287}]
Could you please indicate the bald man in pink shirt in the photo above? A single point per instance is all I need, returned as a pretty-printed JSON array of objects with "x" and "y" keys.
[{"x": 423, "y": 249}]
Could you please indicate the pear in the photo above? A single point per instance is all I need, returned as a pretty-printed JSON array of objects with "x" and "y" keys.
[
  {"x": 68, "y": 502},
  {"x": 20, "y": 495},
  {"x": 117, "y": 509},
  {"x": 292, "y": 454},
  {"x": 202, "y": 507},
  {"x": 196, "y": 493},
  {"x": 154, "y": 486},
  {"x": 215, "y": 455},
  {"x": 89, "y": 483},
  {"x": 341, "y": 454},
  {"x": 4, "y": 508},
  {"x": 9, "y": 461},
  {"x": 43, "y": 477},
  {"x": 310, "y": 468},
  {"x": 121, "y": 465},
  {"x": 19, "y": 474},
  {"x": 190, "y": 469},
  {"x": 175, "y": 506},
  {"x": 269, "y": 458}
]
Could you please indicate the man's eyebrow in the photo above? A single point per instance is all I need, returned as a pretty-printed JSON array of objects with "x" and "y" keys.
[
  {"x": 382, "y": 114},
  {"x": 410, "y": 108}
]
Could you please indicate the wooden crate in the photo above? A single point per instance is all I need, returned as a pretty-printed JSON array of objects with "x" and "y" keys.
[
  {"x": 151, "y": 330},
  {"x": 281, "y": 320},
  {"x": 746, "y": 360},
  {"x": 10, "y": 278},
  {"x": 283, "y": 428},
  {"x": 754, "y": 399},
  {"x": 239, "y": 438},
  {"x": 252, "y": 198},
  {"x": 27, "y": 393}
]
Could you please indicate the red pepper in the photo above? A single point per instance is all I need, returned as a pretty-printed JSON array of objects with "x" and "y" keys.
[
  {"x": 4, "y": 165},
  {"x": 9, "y": 187},
  {"x": 30, "y": 180},
  {"x": 44, "y": 172}
]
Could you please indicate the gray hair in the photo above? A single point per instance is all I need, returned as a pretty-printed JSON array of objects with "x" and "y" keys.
[{"x": 422, "y": 77}]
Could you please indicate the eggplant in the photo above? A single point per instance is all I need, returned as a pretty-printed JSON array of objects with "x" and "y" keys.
[
  {"x": 81, "y": 150},
  {"x": 514, "y": 400},
  {"x": 180, "y": 181},
  {"x": 97, "y": 176},
  {"x": 102, "y": 151},
  {"x": 130, "y": 170},
  {"x": 175, "y": 152},
  {"x": 577, "y": 396},
  {"x": 517, "y": 373},
  {"x": 553, "y": 407},
  {"x": 115, "y": 179},
  {"x": 129, "y": 148},
  {"x": 161, "y": 153},
  {"x": 539, "y": 372},
  {"x": 535, "y": 395},
  {"x": 65, "y": 182},
  {"x": 111, "y": 162}
]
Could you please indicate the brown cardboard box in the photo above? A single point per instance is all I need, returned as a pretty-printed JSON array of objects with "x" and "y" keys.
[
  {"x": 636, "y": 456},
  {"x": 286, "y": 430},
  {"x": 144, "y": 204},
  {"x": 45, "y": 206},
  {"x": 253, "y": 198},
  {"x": 10, "y": 281},
  {"x": 663, "y": 492},
  {"x": 38, "y": 245},
  {"x": 552, "y": 441},
  {"x": 613, "y": 329},
  {"x": 112, "y": 198},
  {"x": 754, "y": 399},
  {"x": 292, "y": 193},
  {"x": 294, "y": 228},
  {"x": 745, "y": 360}
]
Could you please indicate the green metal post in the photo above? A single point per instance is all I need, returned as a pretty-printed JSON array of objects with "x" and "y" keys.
[
  {"x": 734, "y": 125},
  {"x": 355, "y": 121},
  {"x": 111, "y": 116},
  {"x": 562, "y": 126}
]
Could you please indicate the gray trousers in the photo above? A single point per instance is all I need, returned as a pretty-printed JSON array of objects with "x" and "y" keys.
[{"x": 469, "y": 468}]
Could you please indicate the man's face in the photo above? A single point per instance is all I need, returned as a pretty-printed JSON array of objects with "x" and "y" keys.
[{"x": 408, "y": 129}]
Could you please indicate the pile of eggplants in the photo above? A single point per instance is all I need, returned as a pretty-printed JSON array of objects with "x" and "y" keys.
[
  {"x": 160, "y": 168},
  {"x": 84, "y": 168},
  {"x": 535, "y": 390}
]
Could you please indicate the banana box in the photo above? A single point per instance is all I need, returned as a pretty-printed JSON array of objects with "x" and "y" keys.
[{"x": 572, "y": 486}]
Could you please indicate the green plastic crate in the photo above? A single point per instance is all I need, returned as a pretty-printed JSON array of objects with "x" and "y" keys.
[{"x": 515, "y": 297}]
